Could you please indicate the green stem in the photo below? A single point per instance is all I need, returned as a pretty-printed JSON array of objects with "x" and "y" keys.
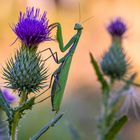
[
  {"x": 47, "y": 127},
  {"x": 105, "y": 113},
  {"x": 16, "y": 117},
  {"x": 106, "y": 121}
]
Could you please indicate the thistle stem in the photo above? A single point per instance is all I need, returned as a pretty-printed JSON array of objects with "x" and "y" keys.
[
  {"x": 16, "y": 117},
  {"x": 105, "y": 114},
  {"x": 104, "y": 122}
]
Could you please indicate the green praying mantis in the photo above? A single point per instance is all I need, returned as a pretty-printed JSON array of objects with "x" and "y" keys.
[{"x": 60, "y": 75}]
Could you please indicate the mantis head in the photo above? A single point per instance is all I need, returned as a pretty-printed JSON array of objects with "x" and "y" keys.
[{"x": 78, "y": 26}]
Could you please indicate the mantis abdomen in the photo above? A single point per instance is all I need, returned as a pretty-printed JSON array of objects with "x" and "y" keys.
[{"x": 59, "y": 84}]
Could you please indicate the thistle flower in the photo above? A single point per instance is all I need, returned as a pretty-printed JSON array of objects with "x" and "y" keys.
[
  {"x": 32, "y": 28},
  {"x": 10, "y": 98},
  {"x": 131, "y": 105},
  {"x": 117, "y": 27},
  {"x": 26, "y": 72},
  {"x": 114, "y": 62}
]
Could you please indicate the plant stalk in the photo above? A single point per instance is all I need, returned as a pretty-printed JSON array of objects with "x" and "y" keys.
[
  {"x": 46, "y": 127},
  {"x": 16, "y": 117}
]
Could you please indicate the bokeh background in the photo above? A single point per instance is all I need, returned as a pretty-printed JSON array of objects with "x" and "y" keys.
[{"x": 81, "y": 102}]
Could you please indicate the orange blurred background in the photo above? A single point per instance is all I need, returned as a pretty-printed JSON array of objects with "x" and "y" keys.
[{"x": 94, "y": 39}]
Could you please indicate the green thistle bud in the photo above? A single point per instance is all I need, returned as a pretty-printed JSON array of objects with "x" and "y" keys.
[
  {"x": 26, "y": 71},
  {"x": 114, "y": 63}
]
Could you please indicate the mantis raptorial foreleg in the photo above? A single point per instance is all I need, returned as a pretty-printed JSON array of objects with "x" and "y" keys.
[{"x": 60, "y": 37}]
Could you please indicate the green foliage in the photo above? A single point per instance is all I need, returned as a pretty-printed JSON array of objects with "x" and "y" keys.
[
  {"x": 18, "y": 113},
  {"x": 101, "y": 79},
  {"x": 26, "y": 71},
  {"x": 115, "y": 128},
  {"x": 8, "y": 110},
  {"x": 26, "y": 105}
]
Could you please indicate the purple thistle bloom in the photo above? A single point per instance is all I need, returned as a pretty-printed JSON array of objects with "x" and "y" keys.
[
  {"x": 32, "y": 28},
  {"x": 117, "y": 27},
  {"x": 10, "y": 98}
]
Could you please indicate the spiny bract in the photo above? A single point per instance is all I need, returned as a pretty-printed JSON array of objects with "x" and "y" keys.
[
  {"x": 26, "y": 71},
  {"x": 114, "y": 63}
]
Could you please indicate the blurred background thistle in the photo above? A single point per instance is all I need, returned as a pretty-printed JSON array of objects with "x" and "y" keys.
[
  {"x": 115, "y": 63},
  {"x": 114, "y": 68}
]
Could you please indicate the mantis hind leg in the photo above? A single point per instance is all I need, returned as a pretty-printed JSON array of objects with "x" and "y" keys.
[
  {"x": 53, "y": 76},
  {"x": 47, "y": 88}
]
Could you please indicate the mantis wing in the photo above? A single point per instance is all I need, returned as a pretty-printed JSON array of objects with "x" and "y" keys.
[{"x": 59, "y": 85}]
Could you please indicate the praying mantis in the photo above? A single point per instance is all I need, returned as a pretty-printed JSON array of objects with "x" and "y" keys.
[{"x": 60, "y": 75}]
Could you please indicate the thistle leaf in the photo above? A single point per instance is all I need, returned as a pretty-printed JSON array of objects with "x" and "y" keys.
[
  {"x": 103, "y": 82},
  {"x": 19, "y": 111},
  {"x": 27, "y": 105},
  {"x": 5, "y": 106},
  {"x": 116, "y": 127}
]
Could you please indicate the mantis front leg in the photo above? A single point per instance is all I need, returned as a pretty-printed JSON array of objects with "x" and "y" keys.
[{"x": 59, "y": 37}]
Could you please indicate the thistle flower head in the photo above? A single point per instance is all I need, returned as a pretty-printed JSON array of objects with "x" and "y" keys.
[
  {"x": 114, "y": 62},
  {"x": 32, "y": 28},
  {"x": 117, "y": 27},
  {"x": 26, "y": 72},
  {"x": 10, "y": 98}
]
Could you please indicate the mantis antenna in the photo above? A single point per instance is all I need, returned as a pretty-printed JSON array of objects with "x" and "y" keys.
[
  {"x": 80, "y": 17},
  {"x": 84, "y": 21},
  {"x": 79, "y": 12}
]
